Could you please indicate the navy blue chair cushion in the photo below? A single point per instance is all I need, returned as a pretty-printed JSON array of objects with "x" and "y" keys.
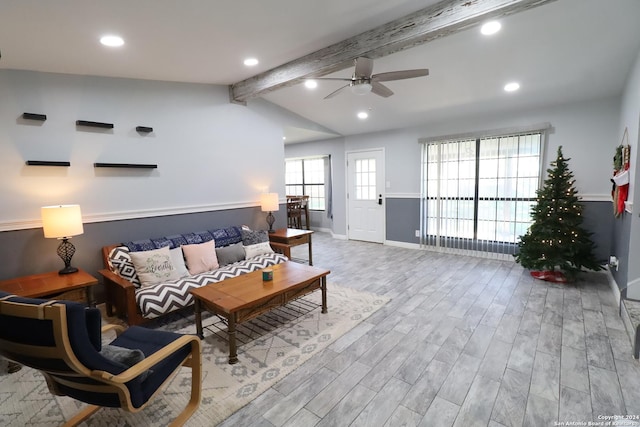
[
  {"x": 41, "y": 332},
  {"x": 84, "y": 331},
  {"x": 150, "y": 341}
]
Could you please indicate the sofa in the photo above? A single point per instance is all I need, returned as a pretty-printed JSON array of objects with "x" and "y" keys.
[{"x": 147, "y": 279}]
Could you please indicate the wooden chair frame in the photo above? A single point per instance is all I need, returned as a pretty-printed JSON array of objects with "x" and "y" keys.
[
  {"x": 111, "y": 383},
  {"x": 120, "y": 294}
]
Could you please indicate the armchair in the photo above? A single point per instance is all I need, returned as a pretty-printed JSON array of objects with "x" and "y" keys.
[{"x": 63, "y": 341}]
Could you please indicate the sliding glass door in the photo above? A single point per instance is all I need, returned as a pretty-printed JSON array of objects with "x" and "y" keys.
[{"x": 477, "y": 192}]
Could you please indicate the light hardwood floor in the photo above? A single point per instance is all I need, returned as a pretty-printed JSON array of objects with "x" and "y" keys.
[{"x": 463, "y": 342}]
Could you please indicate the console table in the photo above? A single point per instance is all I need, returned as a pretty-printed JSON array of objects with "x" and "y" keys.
[
  {"x": 74, "y": 287},
  {"x": 290, "y": 237}
]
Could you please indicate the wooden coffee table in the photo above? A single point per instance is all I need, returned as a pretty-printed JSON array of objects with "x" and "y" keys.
[{"x": 245, "y": 297}]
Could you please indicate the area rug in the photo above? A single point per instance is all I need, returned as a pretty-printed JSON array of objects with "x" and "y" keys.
[{"x": 273, "y": 345}]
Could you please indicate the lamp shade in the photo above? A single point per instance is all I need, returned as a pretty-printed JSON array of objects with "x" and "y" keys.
[
  {"x": 269, "y": 202},
  {"x": 61, "y": 221}
]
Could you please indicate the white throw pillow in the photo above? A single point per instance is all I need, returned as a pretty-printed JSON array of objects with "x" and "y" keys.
[
  {"x": 257, "y": 249},
  {"x": 177, "y": 258},
  {"x": 201, "y": 257},
  {"x": 154, "y": 266}
]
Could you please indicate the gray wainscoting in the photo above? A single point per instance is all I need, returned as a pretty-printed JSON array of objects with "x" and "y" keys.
[
  {"x": 403, "y": 218},
  {"x": 26, "y": 252},
  {"x": 599, "y": 220},
  {"x": 620, "y": 239}
]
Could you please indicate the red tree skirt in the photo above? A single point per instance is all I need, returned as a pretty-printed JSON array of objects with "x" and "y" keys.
[{"x": 550, "y": 276}]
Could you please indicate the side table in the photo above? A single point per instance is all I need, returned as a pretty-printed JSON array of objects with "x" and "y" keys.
[
  {"x": 286, "y": 238},
  {"x": 75, "y": 286}
]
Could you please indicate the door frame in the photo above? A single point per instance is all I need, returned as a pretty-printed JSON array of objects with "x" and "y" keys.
[{"x": 383, "y": 190}]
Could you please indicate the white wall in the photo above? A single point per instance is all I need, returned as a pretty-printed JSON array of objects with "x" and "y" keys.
[
  {"x": 211, "y": 154},
  {"x": 587, "y": 131},
  {"x": 630, "y": 118}
]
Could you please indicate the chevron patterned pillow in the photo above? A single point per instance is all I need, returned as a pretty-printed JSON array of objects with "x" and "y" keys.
[{"x": 122, "y": 265}]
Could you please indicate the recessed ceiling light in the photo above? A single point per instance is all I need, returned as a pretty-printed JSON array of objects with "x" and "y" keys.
[
  {"x": 250, "y": 62},
  {"x": 363, "y": 115},
  {"x": 311, "y": 84},
  {"x": 490, "y": 27},
  {"x": 284, "y": 138},
  {"x": 112, "y": 41},
  {"x": 512, "y": 87}
]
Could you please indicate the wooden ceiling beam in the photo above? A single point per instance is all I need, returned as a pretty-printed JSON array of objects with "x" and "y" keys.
[{"x": 439, "y": 20}]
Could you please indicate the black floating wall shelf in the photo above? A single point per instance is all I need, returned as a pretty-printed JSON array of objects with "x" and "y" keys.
[
  {"x": 144, "y": 129},
  {"x": 46, "y": 163},
  {"x": 94, "y": 124},
  {"x": 125, "y": 165},
  {"x": 34, "y": 116}
]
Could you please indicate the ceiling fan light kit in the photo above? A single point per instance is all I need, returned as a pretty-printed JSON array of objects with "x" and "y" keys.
[{"x": 360, "y": 87}]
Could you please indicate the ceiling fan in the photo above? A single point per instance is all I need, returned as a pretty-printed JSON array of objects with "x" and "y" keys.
[{"x": 363, "y": 81}]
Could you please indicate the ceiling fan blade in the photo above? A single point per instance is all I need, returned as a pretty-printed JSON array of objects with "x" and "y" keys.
[
  {"x": 400, "y": 75},
  {"x": 335, "y": 92},
  {"x": 364, "y": 67},
  {"x": 331, "y": 78},
  {"x": 380, "y": 89}
]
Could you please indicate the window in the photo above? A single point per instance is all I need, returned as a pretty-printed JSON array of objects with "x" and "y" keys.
[
  {"x": 366, "y": 179},
  {"x": 479, "y": 191},
  {"x": 306, "y": 177}
]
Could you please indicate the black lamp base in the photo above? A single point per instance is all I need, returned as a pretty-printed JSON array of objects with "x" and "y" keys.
[
  {"x": 66, "y": 251},
  {"x": 270, "y": 220},
  {"x": 68, "y": 270}
]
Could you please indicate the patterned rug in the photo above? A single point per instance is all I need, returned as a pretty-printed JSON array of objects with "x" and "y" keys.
[{"x": 270, "y": 347}]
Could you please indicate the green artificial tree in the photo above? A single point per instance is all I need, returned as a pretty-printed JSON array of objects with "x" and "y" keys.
[{"x": 555, "y": 244}]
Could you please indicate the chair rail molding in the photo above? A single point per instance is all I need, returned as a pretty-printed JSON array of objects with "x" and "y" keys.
[
  {"x": 14, "y": 225},
  {"x": 402, "y": 195}
]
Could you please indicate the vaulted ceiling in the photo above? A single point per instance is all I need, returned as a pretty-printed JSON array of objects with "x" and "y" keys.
[{"x": 562, "y": 51}]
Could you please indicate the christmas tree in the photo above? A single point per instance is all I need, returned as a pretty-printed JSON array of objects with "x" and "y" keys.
[{"x": 555, "y": 244}]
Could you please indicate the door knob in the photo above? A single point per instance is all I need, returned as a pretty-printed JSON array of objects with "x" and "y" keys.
[{"x": 379, "y": 199}]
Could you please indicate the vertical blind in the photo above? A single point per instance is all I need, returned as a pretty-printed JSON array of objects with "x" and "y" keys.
[{"x": 477, "y": 193}]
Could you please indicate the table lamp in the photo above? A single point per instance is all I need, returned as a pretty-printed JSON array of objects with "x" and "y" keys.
[
  {"x": 62, "y": 222},
  {"x": 269, "y": 203}
]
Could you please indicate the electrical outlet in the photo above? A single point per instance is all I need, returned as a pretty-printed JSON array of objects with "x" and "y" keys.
[
  {"x": 417, "y": 233},
  {"x": 614, "y": 262}
]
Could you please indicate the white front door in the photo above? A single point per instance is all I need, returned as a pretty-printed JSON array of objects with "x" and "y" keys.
[{"x": 365, "y": 195}]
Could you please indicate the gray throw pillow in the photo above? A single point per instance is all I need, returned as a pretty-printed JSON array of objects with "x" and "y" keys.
[
  {"x": 254, "y": 237},
  {"x": 125, "y": 356},
  {"x": 230, "y": 254}
]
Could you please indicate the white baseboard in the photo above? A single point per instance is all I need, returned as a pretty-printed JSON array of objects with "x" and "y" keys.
[
  {"x": 633, "y": 289},
  {"x": 330, "y": 231},
  {"x": 398, "y": 244},
  {"x": 613, "y": 284}
]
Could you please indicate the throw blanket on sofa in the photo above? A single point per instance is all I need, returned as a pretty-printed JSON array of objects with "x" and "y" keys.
[{"x": 161, "y": 299}]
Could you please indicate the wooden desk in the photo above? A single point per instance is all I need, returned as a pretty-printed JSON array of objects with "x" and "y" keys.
[
  {"x": 74, "y": 287},
  {"x": 290, "y": 237}
]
